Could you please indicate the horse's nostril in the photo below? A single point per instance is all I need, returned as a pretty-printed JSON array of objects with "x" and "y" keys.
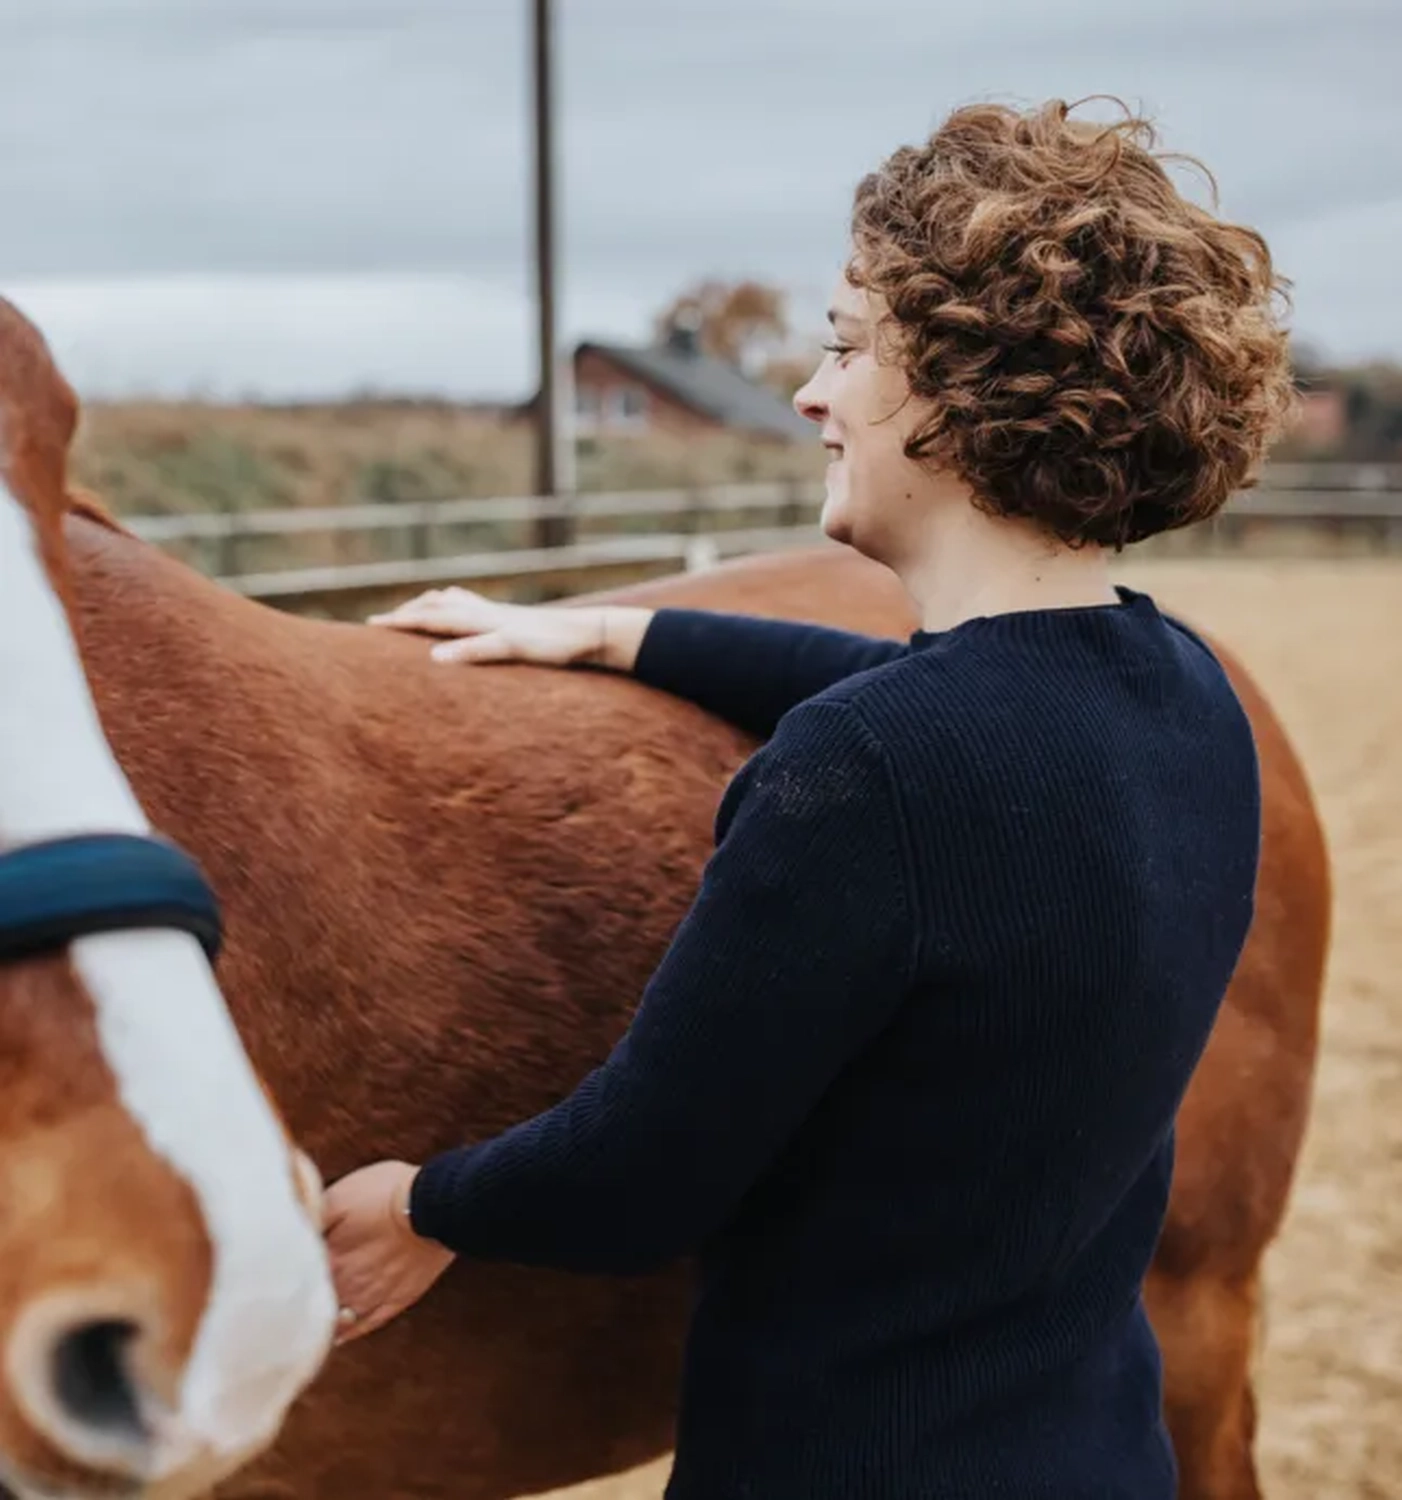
[{"x": 91, "y": 1379}]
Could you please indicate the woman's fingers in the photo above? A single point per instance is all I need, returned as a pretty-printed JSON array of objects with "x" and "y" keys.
[
  {"x": 443, "y": 612},
  {"x": 428, "y": 600},
  {"x": 425, "y": 623},
  {"x": 477, "y": 629},
  {"x": 434, "y": 605},
  {"x": 349, "y": 1328},
  {"x": 429, "y": 625},
  {"x": 492, "y": 645}
]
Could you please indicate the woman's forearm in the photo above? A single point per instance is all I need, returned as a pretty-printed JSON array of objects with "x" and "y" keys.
[{"x": 747, "y": 670}]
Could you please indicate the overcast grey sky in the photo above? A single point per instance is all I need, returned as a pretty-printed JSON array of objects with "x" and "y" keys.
[{"x": 306, "y": 196}]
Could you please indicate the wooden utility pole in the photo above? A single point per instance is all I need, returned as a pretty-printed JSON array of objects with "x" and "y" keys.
[{"x": 550, "y": 531}]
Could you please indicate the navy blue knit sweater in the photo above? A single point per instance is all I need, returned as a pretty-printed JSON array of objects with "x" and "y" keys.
[{"x": 905, "y": 1079}]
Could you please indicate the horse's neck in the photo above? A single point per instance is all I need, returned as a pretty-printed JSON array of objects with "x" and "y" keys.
[
  {"x": 221, "y": 729},
  {"x": 180, "y": 680},
  {"x": 57, "y": 775}
]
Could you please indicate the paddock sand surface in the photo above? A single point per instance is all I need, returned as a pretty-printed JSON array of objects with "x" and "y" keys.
[{"x": 1324, "y": 639}]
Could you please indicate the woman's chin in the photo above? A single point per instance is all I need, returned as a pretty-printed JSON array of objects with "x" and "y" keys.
[{"x": 836, "y": 523}]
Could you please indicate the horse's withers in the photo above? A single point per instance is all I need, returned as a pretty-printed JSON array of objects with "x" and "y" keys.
[{"x": 164, "y": 1292}]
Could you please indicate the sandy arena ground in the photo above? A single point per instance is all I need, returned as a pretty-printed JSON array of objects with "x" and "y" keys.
[{"x": 1324, "y": 639}]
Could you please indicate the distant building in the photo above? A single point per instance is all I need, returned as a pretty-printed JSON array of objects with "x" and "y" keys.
[
  {"x": 675, "y": 387},
  {"x": 1321, "y": 422}
]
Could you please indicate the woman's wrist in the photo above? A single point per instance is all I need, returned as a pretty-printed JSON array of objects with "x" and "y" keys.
[
  {"x": 403, "y": 1199},
  {"x": 619, "y": 637}
]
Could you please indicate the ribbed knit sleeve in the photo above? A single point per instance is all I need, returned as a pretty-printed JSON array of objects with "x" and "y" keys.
[
  {"x": 796, "y": 951},
  {"x": 751, "y": 671}
]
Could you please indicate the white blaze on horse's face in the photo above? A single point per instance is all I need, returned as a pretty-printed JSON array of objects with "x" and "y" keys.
[{"x": 182, "y": 1077}]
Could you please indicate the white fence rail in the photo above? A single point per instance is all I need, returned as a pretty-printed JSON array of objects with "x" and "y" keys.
[
  {"x": 694, "y": 527},
  {"x": 515, "y": 509},
  {"x": 547, "y": 566}
]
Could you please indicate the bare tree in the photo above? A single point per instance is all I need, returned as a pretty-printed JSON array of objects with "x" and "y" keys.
[{"x": 742, "y": 322}]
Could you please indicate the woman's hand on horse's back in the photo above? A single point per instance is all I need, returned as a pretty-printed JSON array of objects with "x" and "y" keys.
[{"x": 483, "y": 630}]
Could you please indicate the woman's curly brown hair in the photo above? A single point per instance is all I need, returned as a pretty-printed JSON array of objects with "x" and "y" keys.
[{"x": 1101, "y": 355}]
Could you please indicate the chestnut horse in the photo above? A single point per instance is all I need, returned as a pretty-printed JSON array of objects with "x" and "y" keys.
[
  {"x": 445, "y": 889},
  {"x": 164, "y": 1292}
]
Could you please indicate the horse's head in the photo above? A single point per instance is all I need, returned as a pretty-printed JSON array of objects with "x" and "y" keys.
[{"x": 164, "y": 1293}]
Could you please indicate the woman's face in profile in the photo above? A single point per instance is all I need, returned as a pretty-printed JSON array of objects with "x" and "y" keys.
[{"x": 861, "y": 403}]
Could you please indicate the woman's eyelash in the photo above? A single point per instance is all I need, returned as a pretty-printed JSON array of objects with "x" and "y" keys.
[{"x": 838, "y": 348}]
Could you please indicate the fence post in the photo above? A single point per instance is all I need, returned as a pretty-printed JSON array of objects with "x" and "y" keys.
[
  {"x": 701, "y": 552},
  {"x": 420, "y": 529},
  {"x": 792, "y": 507},
  {"x": 228, "y": 546},
  {"x": 695, "y": 509}
]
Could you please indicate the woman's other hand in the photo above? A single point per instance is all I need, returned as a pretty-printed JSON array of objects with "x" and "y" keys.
[{"x": 380, "y": 1266}]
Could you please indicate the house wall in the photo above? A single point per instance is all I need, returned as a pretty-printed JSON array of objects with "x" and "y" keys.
[
  {"x": 613, "y": 401},
  {"x": 1321, "y": 421}
]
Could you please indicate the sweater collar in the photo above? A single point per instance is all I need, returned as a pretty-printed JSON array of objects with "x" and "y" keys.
[{"x": 1037, "y": 623}]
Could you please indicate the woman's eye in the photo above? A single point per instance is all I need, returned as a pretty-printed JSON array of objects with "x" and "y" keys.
[{"x": 838, "y": 349}]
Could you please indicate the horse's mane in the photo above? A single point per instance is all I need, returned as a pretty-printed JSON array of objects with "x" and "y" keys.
[{"x": 84, "y": 503}]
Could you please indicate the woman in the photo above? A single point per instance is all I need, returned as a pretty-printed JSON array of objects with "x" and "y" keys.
[{"x": 905, "y": 1080}]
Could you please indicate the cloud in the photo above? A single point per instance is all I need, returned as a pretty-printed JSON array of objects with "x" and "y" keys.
[
  {"x": 277, "y": 337},
  {"x": 384, "y": 145}
]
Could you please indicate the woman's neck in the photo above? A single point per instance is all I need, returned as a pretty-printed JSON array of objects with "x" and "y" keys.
[{"x": 970, "y": 564}]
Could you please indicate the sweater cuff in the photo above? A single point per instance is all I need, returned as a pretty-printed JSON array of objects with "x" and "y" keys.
[
  {"x": 668, "y": 648},
  {"x": 432, "y": 1198}
]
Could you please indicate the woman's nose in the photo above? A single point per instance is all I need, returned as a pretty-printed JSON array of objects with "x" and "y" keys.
[{"x": 807, "y": 403}]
